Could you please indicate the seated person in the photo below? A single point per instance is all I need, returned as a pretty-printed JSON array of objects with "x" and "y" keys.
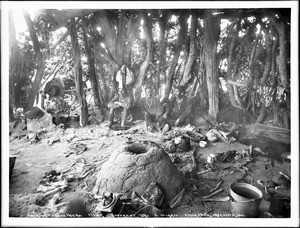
[
  {"x": 122, "y": 101},
  {"x": 152, "y": 110},
  {"x": 179, "y": 108}
]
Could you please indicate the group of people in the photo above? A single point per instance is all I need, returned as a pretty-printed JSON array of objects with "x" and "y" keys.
[{"x": 159, "y": 116}]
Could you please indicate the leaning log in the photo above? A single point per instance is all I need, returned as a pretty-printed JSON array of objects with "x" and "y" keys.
[{"x": 277, "y": 134}]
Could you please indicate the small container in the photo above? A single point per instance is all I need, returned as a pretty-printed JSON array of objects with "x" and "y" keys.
[
  {"x": 211, "y": 158},
  {"x": 177, "y": 140},
  {"x": 246, "y": 199}
]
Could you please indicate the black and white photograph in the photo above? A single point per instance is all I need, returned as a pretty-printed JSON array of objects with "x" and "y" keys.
[{"x": 149, "y": 114}]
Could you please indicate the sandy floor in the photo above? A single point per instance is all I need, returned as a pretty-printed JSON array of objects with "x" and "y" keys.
[{"x": 50, "y": 153}]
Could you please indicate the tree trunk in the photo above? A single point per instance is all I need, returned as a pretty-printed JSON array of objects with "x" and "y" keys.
[
  {"x": 119, "y": 41},
  {"x": 180, "y": 68},
  {"x": 14, "y": 55},
  {"x": 229, "y": 66},
  {"x": 170, "y": 75},
  {"x": 210, "y": 40},
  {"x": 40, "y": 62},
  {"x": 91, "y": 65},
  {"x": 268, "y": 63},
  {"x": 274, "y": 81},
  {"x": 192, "y": 53},
  {"x": 162, "y": 28},
  {"x": 132, "y": 26},
  {"x": 78, "y": 74},
  {"x": 147, "y": 60},
  {"x": 262, "y": 114},
  {"x": 282, "y": 57},
  {"x": 274, "y": 54}
]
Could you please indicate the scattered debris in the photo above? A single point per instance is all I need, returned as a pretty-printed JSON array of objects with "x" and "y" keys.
[
  {"x": 76, "y": 148},
  {"x": 153, "y": 195},
  {"x": 215, "y": 188},
  {"x": 17, "y": 129},
  {"x": 226, "y": 157},
  {"x": 177, "y": 199},
  {"x": 213, "y": 194},
  {"x": 53, "y": 140}
]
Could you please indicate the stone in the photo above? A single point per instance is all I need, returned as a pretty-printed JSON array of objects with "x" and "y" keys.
[{"x": 43, "y": 124}]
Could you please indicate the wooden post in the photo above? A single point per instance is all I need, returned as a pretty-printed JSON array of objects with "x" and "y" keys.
[{"x": 78, "y": 74}]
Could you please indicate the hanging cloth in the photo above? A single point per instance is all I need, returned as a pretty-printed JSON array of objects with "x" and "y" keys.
[{"x": 124, "y": 77}]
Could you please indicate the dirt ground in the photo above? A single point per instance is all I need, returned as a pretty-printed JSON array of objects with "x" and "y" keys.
[{"x": 51, "y": 152}]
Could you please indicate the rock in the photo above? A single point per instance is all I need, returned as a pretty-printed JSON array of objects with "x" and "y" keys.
[
  {"x": 34, "y": 113},
  {"x": 17, "y": 129},
  {"x": 43, "y": 124},
  {"x": 153, "y": 195},
  {"x": 133, "y": 167}
]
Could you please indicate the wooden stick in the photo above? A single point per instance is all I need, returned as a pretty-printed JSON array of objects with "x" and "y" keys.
[
  {"x": 219, "y": 199},
  {"x": 214, "y": 189},
  {"x": 213, "y": 194}
]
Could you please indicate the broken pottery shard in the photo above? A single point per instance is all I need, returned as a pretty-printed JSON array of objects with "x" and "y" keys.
[{"x": 133, "y": 167}]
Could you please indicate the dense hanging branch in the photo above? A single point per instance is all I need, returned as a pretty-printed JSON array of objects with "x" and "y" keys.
[{"x": 118, "y": 37}]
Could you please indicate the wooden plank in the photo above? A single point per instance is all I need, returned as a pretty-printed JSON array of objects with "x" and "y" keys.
[{"x": 277, "y": 134}]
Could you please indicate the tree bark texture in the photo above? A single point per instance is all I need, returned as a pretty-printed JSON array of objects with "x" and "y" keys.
[
  {"x": 131, "y": 31},
  {"x": 282, "y": 57},
  {"x": 14, "y": 55},
  {"x": 40, "y": 62},
  {"x": 192, "y": 53},
  {"x": 268, "y": 63},
  {"x": 91, "y": 65},
  {"x": 119, "y": 40},
  {"x": 161, "y": 47},
  {"x": 171, "y": 72},
  {"x": 210, "y": 43},
  {"x": 147, "y": 60},
  {"x": 78, "y": 74},
  {"x": 230, "y": 70}
]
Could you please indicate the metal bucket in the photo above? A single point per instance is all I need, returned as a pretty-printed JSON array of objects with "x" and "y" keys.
[{"x": 246, "y": 199}]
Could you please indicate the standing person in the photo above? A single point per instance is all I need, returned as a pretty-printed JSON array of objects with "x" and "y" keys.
[
  {"x": 121, "y": 102},
  {"x": 153, "y": 111},
  {"x": 179, "y": 108}
]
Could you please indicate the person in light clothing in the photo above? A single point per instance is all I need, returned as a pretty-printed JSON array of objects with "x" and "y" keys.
[{"x": 153, "y": 111}]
